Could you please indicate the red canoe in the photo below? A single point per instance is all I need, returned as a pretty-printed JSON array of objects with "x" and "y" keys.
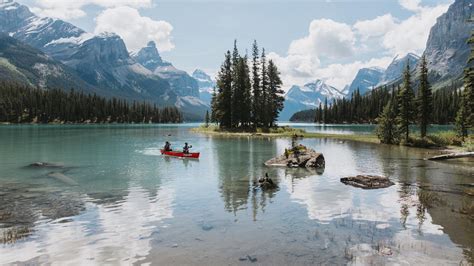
[{"x": 194, "y": 155}]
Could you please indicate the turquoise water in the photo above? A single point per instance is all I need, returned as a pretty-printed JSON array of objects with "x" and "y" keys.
[{"x": 111, "y": 198}]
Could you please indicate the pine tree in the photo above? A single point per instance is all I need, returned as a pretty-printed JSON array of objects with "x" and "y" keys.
[
  {"x": 406, "y": 108},
  {"x": 237, "y": 90},
  {"x": 246, "y": 107},
  {"x": 387, "y": 130},
  {"x": 256, "y": 104},
  {"x": 207, "y": 119},
  {"x": 469, "y": 83},
  {"x": 325, "y": 112},
  {"x": 224, "y": 97},
  {"x": 265, "y": 111},
  {"x": 462, "y": 123},
  {"x": 275, "y": 92},
  {"x": 214, "y": 106},
  {"x": 425, "y": 99}
]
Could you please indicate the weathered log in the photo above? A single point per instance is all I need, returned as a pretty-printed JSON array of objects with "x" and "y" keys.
[
  {"x": 452, "y": 156},
  {"x": 367, "y": 181}
]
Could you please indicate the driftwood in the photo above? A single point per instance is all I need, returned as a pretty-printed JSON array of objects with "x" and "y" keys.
[
  {"x": 367, "y": 181},
  {"x": 452, "y": 156}
]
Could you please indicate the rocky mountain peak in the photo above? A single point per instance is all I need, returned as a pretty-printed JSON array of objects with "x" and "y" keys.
[
  {"x": 105, "y": 48},
  {"x": 150, "y": 58},
  {"x": 447, "y": 50}
]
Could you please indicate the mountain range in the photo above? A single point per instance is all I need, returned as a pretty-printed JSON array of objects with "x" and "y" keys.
[
  {"x": 64, "y": 55},
  {"x": 446, "y": 52}
]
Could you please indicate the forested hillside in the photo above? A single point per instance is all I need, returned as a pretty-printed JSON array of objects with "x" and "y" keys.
[{"x": 23, "y": 104}]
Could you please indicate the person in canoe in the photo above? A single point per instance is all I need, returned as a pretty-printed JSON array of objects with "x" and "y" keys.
[
  {"x": 167, "y": 146},
  {"x": 186, "y": 148}
]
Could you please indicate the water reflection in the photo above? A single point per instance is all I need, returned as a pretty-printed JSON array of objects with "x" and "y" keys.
[
  {"x": 108, "y": 231},
  {"x": 132, "y": 205}
]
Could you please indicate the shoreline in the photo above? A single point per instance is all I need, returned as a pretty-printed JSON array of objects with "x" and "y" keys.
[{"x": 289, "y": 132}]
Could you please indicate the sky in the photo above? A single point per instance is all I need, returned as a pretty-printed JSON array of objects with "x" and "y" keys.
[{"x": 308, "y": 39}]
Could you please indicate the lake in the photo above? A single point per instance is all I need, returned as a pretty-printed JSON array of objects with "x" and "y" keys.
[{"x": 113, "y": 199}]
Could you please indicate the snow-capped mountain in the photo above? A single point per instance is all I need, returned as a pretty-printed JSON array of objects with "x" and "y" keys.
[
  {"x": 395, "y": 70},
  {"x": 206, "y": 85},
  {"x": 102, "y": 62},
  {"x": 365, "y": 80},
  {"x": 447, "y": 50},
  {"x": 307, "y": 97}
]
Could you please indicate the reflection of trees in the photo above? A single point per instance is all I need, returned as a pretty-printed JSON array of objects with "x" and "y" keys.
[
  {"x": 234, "y": 155},
  {"x": 240, "y": 163},
  {"x": 434, "y": 190}
]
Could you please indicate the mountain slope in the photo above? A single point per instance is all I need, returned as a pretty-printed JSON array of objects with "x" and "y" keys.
[
  {"x": 307, "y": 97},
  {"x": 25, "y": 64},
  {"x": 365, "y": 80},
  {"x": 102, "y": 62},
  {"x": 206, "y": 85},
  {"x": 395, "y": 70},
  {"x": 447, "y": 49},
  {"x": 180, "y": 81}
]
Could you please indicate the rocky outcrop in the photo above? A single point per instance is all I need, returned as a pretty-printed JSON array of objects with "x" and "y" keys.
[
  {"x": 367, "y": 181},
  {"x": 447, "y": 50},
  {"x": 305, "y": 157}
]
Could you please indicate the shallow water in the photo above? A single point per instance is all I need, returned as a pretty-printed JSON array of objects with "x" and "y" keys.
[{"x": 112, "y": 198}]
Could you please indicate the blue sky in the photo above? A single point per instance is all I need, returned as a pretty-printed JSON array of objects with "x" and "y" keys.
[{"x": 307, "y": 39}]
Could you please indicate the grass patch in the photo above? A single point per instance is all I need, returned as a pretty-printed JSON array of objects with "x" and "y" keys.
[
  {"x": 439, "y": 140},
  {"x": 281, "y": 132}
]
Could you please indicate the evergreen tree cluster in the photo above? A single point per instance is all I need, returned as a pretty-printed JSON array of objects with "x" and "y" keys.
[
  {"x": 23, "y": 104},
  {"x": 247, "y": 97},
  {"x": 366, "y": 109},
  {"x": 465, "y": 115}
]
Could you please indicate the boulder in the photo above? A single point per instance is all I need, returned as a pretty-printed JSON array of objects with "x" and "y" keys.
[
  {"x": 306, "y": 158},
  {"x": 367, "y": 181}
]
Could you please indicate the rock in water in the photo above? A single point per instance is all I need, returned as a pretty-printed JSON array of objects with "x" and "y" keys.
[
  {"x": 306, "y": 157},
  {"x": 63, "y": 178},
  {"x": 45, "y": 165},
  {"x": 367, "y": 181}
]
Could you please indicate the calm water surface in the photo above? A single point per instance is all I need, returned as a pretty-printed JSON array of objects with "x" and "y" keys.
[{"x": 113, "y": 199}]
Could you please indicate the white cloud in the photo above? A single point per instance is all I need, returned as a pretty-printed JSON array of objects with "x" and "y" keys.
[
  {"x": 411, "y": 34},
  {"x": 72, "y": 9},
  {"x": 376, "y": 27},
  {"x": 135, "y": 30},
  {"x": 328, "y": 39},
  {"x": 412, "y": 5},
  {"x": 340, "y": 75}
]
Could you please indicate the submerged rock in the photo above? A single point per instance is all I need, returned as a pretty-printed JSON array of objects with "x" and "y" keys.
[
  {"x": 45, "y": 165},
  {"x": 299, "y": 157},
  {"x": 367, "y": 181},
  {"x": 266, "y": 183}
]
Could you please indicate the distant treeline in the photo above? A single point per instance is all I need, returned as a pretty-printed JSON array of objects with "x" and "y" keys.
[
  {"x": 366, "y": 108},
  {"x": 23, "y": 104}
]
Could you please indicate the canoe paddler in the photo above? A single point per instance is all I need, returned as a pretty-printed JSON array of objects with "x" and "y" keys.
[
  {"x": 186, "y": 148},
  {"x": 167, "y": 146}
]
